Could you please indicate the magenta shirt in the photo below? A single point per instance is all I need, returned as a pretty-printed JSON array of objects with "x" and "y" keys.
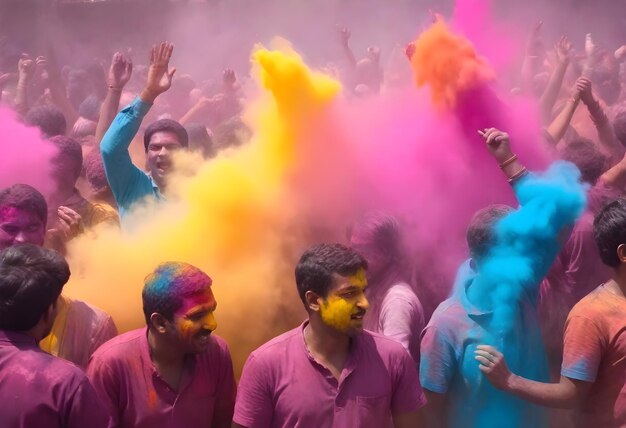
[
  {"x": 130, "y": 387},
  {"x": 42, "y": 391},
  {"x": 283, "y": 386}
]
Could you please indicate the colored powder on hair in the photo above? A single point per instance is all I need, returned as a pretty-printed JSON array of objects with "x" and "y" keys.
[
  {"x": 26, "y": 156},
  {"x": 234, "y": 217}
]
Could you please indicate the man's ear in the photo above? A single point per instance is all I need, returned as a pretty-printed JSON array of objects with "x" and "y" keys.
[
  {"x": 313, "y": 301},
  {"x": 621, "y": 253},
  {"x": 158, "y": 323},
  {"x": 50, "y": 314}
]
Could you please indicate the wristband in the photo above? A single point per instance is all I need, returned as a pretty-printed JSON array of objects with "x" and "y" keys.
[
  {"x": 519, "y": 174},
  {"x": 508, "y": 162}
]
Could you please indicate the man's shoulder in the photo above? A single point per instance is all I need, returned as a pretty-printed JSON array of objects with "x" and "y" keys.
[
  {"x": 122, "y": 347},
  {"x": 278, "y": 346},
  {"x": 55, "y": 370},
  {"x": 383, "y": 345}
]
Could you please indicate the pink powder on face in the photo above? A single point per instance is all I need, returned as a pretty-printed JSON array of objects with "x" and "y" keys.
[{"x": 24, "y": 155}]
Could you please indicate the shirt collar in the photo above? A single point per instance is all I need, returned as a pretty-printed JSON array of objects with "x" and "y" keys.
[
  {"x": 465, "y": 278},
  {"x": 16, "y": 337},
  {"x": 353, "y": 354}
]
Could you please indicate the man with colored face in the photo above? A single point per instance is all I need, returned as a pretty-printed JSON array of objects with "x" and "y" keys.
[
  {"x": 329, "y": 372},
  {"x": 79, "y": 329},
  {"x": 175, "y": 372},
  {"x": 161, "y": 139}
]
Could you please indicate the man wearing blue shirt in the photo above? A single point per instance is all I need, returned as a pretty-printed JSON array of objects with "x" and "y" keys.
[{"x": 129, "y": 183}]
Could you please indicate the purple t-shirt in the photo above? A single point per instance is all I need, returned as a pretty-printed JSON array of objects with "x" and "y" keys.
[
  {"x": 136, "y": 396},
  {"x": 39, "y": 390},
  {"x": 282, "y": 385}
]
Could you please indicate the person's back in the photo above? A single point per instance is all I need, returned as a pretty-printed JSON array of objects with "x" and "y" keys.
[{"x": 37, "y": 389}]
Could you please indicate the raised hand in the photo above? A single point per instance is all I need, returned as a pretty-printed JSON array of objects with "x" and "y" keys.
[
  {"x": 564, "y": 50},
  {"x": 25, "y": 67},
  {"x": 229, "y": 78},
  {"x": 120, "y": 71},
  {"x": 159, "y": 75},
  {"x": 534, "y": 44},
  {"x": 498, "y": 143},
  {"x": 344, "y": 34},
  {"x": 590, "y": 46},
  {"x": 70, "y": 224},
  {"x": 583, "y": 88}
]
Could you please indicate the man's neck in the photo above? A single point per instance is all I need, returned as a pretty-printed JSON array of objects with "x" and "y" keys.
[
  {"x": 327, "y": 345},
  {"x": 162, "y": 354},
  {"x": 619, "y": 282}
]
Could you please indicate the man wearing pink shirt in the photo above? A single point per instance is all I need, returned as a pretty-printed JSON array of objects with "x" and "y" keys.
[
  {"x": 329, "y": 372},
  {"x": 175, "y": 373}
]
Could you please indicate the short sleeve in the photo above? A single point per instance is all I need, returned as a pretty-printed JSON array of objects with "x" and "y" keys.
[
  {"x": 400, "y": 318},
  {"x": 582, "y": 349},
  {"x": 407, "y": 395},
  {"x": 437, "y": 360},
  {"x": 254, "y": 405}
]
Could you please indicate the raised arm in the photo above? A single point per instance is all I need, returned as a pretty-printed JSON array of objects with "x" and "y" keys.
[
  {"x": 556, "y": 130},
  {"x": 550, "y": 94},
  {"x": 120, "y": 171},
  {"x": 344, "y": 37},
  {"x": 606, "y": 134},
  {"x": 531, "y": 62},
  {"x": 119, "y": 74},
  {"x": 56, "y": 86},
  {"x": 25, "y": 73}
]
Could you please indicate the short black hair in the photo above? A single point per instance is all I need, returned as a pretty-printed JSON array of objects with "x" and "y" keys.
[
  {"x": 71, "y": 149},
  {"x": 481, "y": 234},
  {"x": 49, "y": 119},
  {"x": 619, "y": 125},
  {"x": 609, "y": 231},
  {"x": 31, "y": 279},
  {"x": 583, "y": 153},
  {"x": 317, "y": 265},
  {"x": 25, "y": 198},
  {"x": 166, "y": 125}
]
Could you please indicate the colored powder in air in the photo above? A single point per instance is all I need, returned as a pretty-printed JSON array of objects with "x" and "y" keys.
[
  {"x": 25, "y": 155},
  {"x": 236, "y": 218},
  {"x": 448, "y": 64}
]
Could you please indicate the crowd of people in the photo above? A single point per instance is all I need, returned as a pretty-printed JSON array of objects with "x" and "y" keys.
[{"x": 530, "y": 335}]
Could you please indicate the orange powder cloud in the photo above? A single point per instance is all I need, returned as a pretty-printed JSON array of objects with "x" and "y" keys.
[{"x": 448, "y": 64}]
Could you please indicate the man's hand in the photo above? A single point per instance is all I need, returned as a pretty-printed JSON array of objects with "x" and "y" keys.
[
  {"x": 25, "y": 68},
  {"x": 344, "y": 35},
  {"x": 498, "y": 144},
  {"x": 71, "y": 224},
  {"x": 563, "y": 50},
  {"x": 493, "y": 366},
  {"x": 229, "y": 79},
  {"x": 590, "y": 46},
  {"x": 582, "y": 88},
  {"x": 159, "y": 74},
  {"x": 120, "y": 71}
]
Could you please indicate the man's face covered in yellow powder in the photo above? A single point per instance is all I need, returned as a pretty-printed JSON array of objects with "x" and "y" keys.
[{"x": 344, "y": 307}]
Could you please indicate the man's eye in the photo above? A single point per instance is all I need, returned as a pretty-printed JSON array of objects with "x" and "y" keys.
[{"x": 11, "y": 230}]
